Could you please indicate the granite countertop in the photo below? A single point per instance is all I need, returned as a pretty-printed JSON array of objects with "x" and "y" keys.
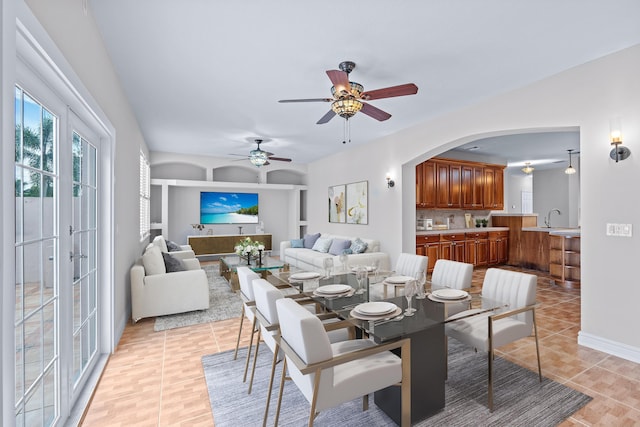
[
  {"x": 460, "y": 230},
  {"x": 514, "y": 214},
  {"x": 555, "y": 231}
]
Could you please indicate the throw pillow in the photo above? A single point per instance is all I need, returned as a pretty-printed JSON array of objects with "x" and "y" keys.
[
  {"x": 297, "y": 243},
  {"x": 172, "y": 264},
  {"x": 358, "y": 246},
  {"x": 172, "y": 247},
  {"x": 153, "y": 262},
  {"x": 339, "y": 245},
  {"x": 322, "y": 245},
  {"x": 310, "y": 240},
  {"x": 347, "y": 251}
]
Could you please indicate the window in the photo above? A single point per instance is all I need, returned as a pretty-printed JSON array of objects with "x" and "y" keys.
[{"x": 145, "y": 223}]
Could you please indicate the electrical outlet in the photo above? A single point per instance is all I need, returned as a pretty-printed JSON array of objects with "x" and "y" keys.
[{"x": 620, "y": 230}]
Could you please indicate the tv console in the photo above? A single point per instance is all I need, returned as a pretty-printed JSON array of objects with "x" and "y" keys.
[{"x": 223, "y": 244}]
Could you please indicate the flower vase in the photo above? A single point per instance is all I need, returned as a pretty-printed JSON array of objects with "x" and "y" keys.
[
  {"x": 260, "y": 257},
  {"x": 249, "y": 259}
]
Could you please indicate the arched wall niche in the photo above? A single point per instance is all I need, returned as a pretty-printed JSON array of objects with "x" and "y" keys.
[
  {"x": 286, "y": 176},
  {"x": 236, "y": 174},
  {"x": 178, "y": 170}
]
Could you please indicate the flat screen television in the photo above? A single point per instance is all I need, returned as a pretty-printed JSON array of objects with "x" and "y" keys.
[{"x": 228, "y": 208}]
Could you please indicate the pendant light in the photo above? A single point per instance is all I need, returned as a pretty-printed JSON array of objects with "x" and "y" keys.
[
  {"x": 570, "y": 170},
  {"x": 527, "y": 168}
]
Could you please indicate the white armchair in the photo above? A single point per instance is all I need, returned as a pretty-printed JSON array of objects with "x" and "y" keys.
[
  {"x": 154, "y": 292},
  {"x": 488, "y": 331},
  {"x": 331, "y": 374}
]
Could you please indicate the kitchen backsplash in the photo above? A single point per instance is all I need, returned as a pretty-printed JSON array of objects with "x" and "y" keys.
[{"x": 455, "y": 217}]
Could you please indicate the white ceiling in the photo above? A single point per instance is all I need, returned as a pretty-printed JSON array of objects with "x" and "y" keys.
[{"x": 204, "y": 76}]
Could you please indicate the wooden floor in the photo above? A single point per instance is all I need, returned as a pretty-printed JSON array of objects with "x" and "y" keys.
[{"x": 156, "y": 378}]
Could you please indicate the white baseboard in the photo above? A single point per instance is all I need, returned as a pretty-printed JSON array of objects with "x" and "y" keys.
[{"x": 608, "y": 346}]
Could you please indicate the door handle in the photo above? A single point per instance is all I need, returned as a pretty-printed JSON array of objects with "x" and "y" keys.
[{"x": 72, "y": 256}]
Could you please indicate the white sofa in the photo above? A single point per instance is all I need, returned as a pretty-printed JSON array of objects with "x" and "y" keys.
[
  {"x": 311, "y": 260},
  {"x": 154, "y": 292},
  {"x": 185, "y": 251}
]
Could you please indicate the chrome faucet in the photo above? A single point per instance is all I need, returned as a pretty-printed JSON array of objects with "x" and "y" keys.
[{"x": 547, "y": 220}]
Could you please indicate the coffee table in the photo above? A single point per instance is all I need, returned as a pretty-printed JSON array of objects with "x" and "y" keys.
[{"x": 229, "y": 265}]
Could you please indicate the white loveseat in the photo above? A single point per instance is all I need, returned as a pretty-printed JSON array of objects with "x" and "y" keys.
[
  {"x": 154, "y": 292},
  {"x": 184, "y": 252},
  {"x": 312, "y": 260}
]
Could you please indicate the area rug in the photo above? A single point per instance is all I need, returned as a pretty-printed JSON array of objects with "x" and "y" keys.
[
  {"x": 519, "y": 398},
  {"x": 223, "y": 304}
]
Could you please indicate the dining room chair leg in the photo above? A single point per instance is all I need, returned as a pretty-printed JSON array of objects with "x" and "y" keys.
[
  {"x": 282, "y": 380},
  {"x": 235, "y": 354},
  {"x": 365, "y": 402},
  {"x": 246, "y": 365},
  {"x": 273, "y": 372},
  {"x": 255, "y": 359},
  {"x": 535, "y": 332}
]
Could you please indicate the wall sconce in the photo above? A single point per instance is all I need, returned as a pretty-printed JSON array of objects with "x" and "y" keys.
[
  {"x": 618, "y": 152},
  {"x": 390, "y": 182}
]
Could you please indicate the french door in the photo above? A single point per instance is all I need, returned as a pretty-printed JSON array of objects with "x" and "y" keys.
[{"x": 56, "y": 252}]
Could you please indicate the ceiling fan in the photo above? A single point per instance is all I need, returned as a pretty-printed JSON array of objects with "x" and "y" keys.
[
  {"x": 347, "y": 96},
  {"x": 260, "y": 157}
]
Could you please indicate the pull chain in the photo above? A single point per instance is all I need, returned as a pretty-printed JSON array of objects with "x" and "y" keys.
[{"x": 346, "y": 131}]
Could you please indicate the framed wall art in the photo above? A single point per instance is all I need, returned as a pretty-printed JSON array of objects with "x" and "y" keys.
[
  {"x": 357, "y": 203},
  {"x": 337, "y": 203}
]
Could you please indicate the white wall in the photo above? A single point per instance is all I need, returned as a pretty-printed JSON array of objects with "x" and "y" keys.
[
  {"x": 553, "y": 189},
  {"x": 517, "y": 183},
  {"x": 585, "y": 97}
]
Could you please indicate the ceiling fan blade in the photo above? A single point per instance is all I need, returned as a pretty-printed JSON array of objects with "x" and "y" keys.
[
  {"x": 340, "y": 81},
  {"x": 308, "y": 100},
  {"x": 374, "y": 112},
  {"x": 241, "y": 155},
  {"x": 326, "y": 117},
  {"x": 280, "y": 159},
  {"x": 390, "y": 92}
]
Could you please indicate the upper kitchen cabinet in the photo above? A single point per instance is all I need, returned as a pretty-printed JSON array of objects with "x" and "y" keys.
[
  {"x": 448, "y": 184},
  {"x": 426, "y": 185},
  {"x": 459, "y": 184},
  {"x": 493, "y": 188}
]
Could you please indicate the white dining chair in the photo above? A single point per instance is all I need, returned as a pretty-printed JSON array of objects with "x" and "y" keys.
[
  {"x": 409, "y": 266},
  {"x": 488, "y": 331},
  {"x": 331, "y": 374},
  {"x": 453, "y": 275},
  {"x": 246, "y": 276}
]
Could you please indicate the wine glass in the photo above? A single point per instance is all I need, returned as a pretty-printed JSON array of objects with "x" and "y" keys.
[
  {"x": 410, "y": 289},
  {"x": 375, "y": 266},
  {"x": 361, "y": 275},
  {"x": 420, "y": 282},
  {"x": 344, "y": 261},
  {"x": 327, "y": 263}
]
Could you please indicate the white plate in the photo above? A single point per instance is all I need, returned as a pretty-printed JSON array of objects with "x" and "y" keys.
[
  {"x": 333, "y": 289},
  {"x": 450, "y": 294},
  {"x": 376, "y": 308},
  {"x": 367, "y": 267},
  {"x": 360, "y": 316},
  {"x": 304, "y": 275},
  {"x": 398, "y": 279}
]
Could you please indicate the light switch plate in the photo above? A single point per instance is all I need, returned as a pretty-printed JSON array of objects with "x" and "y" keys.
[{"x": 620, "y": 230}]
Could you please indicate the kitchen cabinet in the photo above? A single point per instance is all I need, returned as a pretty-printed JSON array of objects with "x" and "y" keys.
[
  {"x": 564, "y": 260},
  {"x": 426, "y": 185},
  {"x": 459, "y": 184},
  {"x": 429, "y": 246},
  {"x": 472, "y": 187},
  {"x": 493, "y": 196},
  {"x": 476, "y": 248},
  {"x": 452, "y": 247},
  {"x": 498, "y": 247},
  {"x": 448, "y": 185}
]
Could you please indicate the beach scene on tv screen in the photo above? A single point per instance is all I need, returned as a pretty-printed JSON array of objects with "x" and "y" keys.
[{"x": 228, "y": 208}]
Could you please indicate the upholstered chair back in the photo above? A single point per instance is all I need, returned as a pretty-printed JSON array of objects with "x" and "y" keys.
[
  {"x": 513, "y": 288},
  {"x": 452, "y": 274},
  {"x": 410, "y": 264},
  {"x": 266, "y": 296},
  {"x": 246, "y": 276},
  {"x": 306, "y": 335}
]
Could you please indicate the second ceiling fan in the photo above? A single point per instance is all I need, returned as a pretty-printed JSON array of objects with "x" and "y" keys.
[{"x": 348, "y": 96}]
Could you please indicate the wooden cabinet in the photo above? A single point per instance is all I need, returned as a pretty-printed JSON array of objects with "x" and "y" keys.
[
  {"x": 564, "y": 260},
  {"x": 224, "y": 244},
  {"x": 476, "y": 248},
  {"x": 459, "y": 184},
  {"x": 498, "y": 247},
  {"x": 472, "y": 187},
  {"x": 493, "y": 196},
  {"x": 448, "y": 185},
  {"x": 426, "y": 185},
  {"x": 452, "y": 247},
  {"x": 429, "y": 246}
]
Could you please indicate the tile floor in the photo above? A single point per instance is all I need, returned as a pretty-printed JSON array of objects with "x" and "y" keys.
[{"x": 156, "y": 378}]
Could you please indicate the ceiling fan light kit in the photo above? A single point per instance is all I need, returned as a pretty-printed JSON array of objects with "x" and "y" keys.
[{"x": 259, "y": 157}]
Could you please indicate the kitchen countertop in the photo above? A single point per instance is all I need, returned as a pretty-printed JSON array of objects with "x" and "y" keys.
[
  {"x": 459, "y": 230},
  {"x": 514, "y": 214},
  {"x": 555, "y": 231}
]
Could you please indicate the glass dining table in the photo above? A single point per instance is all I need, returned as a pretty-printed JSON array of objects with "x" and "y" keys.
[{"x": 425, "y": 328}]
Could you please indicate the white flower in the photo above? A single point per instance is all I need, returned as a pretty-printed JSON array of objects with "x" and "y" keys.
[{"x": 261, "y": 247}]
